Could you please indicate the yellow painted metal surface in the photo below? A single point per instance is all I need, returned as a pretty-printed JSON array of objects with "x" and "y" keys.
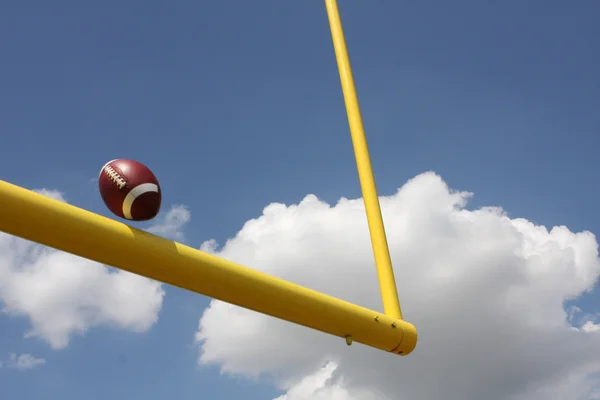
[
  {"x": 50, "y": 222},
  {"x": 381, "y": 252},
  {"x": 40, "y": 219}
]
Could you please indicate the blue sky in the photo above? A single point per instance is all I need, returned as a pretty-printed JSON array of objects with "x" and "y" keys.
[{"x": 237, "y": 104}]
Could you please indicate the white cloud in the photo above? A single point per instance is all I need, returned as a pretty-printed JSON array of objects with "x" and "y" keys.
[
  {"x": 323, "y": 385},
  {"x": 22, "y": 362},
  {"x": 589, "y": 326},
  {"x": 486, "y": 293},
  {"x": 170, "y": 225},
  {"x": 63, "y": 295}
]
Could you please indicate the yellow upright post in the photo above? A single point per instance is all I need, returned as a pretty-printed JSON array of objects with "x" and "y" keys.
[{"x": 381, "y": 252}]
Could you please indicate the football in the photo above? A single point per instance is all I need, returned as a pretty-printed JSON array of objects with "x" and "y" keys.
[{"x": 130, "y": 190}]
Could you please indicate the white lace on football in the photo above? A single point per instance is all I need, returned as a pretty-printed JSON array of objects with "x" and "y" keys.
[{"x": 114, "y": 176}]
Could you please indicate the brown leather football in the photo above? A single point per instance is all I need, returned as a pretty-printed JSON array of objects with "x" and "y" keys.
[{"x": 130, "y": 190}]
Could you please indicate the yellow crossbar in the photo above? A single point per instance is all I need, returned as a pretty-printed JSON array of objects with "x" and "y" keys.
[{"x": 50, "y": 222}]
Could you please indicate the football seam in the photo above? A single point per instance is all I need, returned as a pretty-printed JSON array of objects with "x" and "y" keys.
[{"x": 115, "y": 177}]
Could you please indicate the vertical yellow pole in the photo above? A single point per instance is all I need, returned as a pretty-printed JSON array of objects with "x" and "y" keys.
[{"x": 381, "y": 252}]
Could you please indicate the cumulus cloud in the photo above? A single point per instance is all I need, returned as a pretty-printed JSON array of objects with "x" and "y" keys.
[
  {"x": 63, "y": 295},
  {"x": 170, "y": 225},
  {"x": 22, "y": 362},
  {"x": 485, "y": 291},
  {"x": 323, "y": 385}
]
